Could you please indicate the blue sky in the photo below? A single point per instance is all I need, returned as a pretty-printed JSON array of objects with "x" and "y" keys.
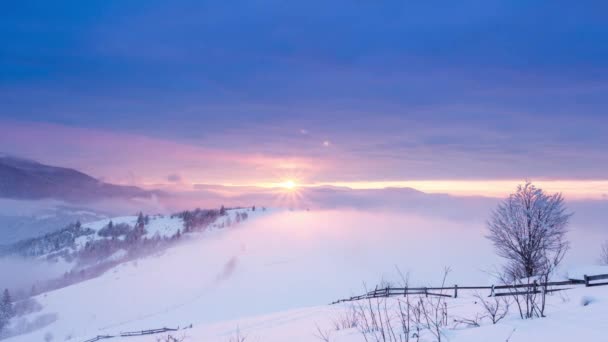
[{"x": 420, "y": 89}]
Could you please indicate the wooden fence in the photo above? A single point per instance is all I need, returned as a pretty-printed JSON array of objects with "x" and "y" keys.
[
  {"x": 133, "y": 333},
  {"x": 590, "y": 280},
  {"x": 452, "y": 291},
  {"x": 426, "y": 291}
]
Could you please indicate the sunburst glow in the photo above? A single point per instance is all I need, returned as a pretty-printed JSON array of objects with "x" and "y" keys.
[{"x": 289, "y": 185}]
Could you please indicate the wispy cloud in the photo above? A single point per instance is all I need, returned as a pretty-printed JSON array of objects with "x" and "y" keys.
[
  {"x": 364, "y": 154},
  {"x": 136, "y": 159}
]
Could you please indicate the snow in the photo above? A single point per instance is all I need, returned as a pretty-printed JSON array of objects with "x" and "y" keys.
[
  {"x": 273, "y": 275},
  {"x": 163, "y": 226},
  {"x": 24, "y": 219},
  {"x": 97, "y": 225},
  {"x": 159, "y": 225},
  {"x": 581, "y": 271},
  {"x": 118, "y": 255},
  {"x": 568, "y": 320}
]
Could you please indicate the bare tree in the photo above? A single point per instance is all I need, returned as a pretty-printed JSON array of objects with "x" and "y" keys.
[
  {"x": 238, "y": 336},
  {"x": 323, "y": 335},
  {"x": 376, "y": 319},
  {"x": 604, "y": 254},
  {"x": 435, "y": 310},
  {"x": 346, "y": 319},
  {"x": 170, "y": 338},
  {"x": 528, "y": 229},
  {"x": 495, "y": 308},
  {"x": 382, "y": 319},
  {"x": 468, "y": 322},
  {"x": 405, "y": 307}
]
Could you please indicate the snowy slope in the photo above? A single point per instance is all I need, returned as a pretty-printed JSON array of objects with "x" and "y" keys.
[
  {"x": 23, "y": 219},
  {"x": 159, "y": 225},
  {"x": 273, "y": 274},
  {"x": 568, "y": 320},
  {"x": 160, "y": 283},
  {"x": 156, "y": 227}
]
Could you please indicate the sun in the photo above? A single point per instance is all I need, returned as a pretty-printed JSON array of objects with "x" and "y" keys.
[
  {"x": 289, "y": 193},
  {"x": 289, "y": 185}
]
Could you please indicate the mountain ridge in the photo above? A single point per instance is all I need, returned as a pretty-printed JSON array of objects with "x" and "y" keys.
[{"x": 27, "y": 179}]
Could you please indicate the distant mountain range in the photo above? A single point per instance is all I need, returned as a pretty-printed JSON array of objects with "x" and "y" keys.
[{"x": 27, "y": 179}]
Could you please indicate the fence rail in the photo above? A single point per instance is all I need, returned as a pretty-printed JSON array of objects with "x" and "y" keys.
[
  {"x": 99, "y": 337},
  {"x": 534, "y": 287},
  {"x": 135, "y": 333},
  {"x": 146, "y": 332},
  {"x": 589, "y": 279}
]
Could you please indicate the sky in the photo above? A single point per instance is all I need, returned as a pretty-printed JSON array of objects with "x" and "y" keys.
[{"x": 474, "y": 95}]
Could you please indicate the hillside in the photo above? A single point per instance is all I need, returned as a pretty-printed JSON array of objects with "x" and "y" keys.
[
  {"x": 185, "y": 229},
  {"x": 579, "y": 315},
  {"x": 272, "y": 277},
  {"x": 23, "y": 219},
  {"x": 26, "y": 179}
]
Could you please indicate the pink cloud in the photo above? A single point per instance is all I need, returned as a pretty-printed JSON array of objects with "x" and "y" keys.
[{"x": 136, "y": 159}]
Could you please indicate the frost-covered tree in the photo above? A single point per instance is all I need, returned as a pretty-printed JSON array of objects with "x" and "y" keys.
[
  {"x": 140, "y": 218},
  {"x": 49, "y": 243},
  {"x": 139, "y": 230},
  {"x": 6, "y": 309},
  {"x": 528, "y": 229}
]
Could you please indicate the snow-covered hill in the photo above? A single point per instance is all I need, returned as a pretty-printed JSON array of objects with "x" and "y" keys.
[
  {"x": 81, "y": 252},
  {"x": 272, "y": 276},
  {"x": 77, "y": 237},
  {"x": 580, "y": 314},
  {"x": 24, "y": 219}
]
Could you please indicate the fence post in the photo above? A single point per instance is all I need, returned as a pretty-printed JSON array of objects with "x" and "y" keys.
[
  {"x": 492, "y": 294},
  {"x": 586, "y": 280},
  {"x": 426, "y": 292},
  {"x": 455, "y": 291}
]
